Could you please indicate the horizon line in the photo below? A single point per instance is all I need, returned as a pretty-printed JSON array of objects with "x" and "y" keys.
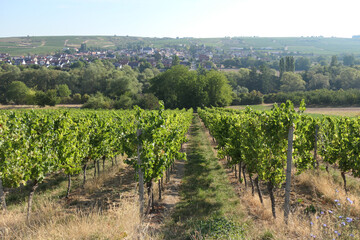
[{"x": 178, "y": 37}]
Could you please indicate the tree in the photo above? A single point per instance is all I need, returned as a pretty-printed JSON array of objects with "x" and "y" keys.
[
  {"x": 160, "y": 65},
  {"x": 148, "y": 101},
  {"x": 93, "y": 77},
  {"x": 17, "y": 92},
  {"x": 157, "y": 56},
  {"x": 267, "y": 80},
  {"x": 122, "y": 82},
  {"x": 319, "y": 81},
  {"x": 76, "y": 98},
  {"x": 349, "y": 78},
  {"x": 292, "y": 82},
  {"x": 144, "y": 65},
  {"x": 83, "y": 47},
  {"x": 176, "y": 87},
  {"x": 349, "y": 60},
  {"x": 218, "y": 89},
  {"x": 229, "y": 63},
  {"x": 98, "y": 101},
  {"x": 11, "y": 73},
  {"x": 334, "y": 61},
  {"x": 289, "y": 64},
  {"x": 77, "y": 64},
  {"x": 63, "y": 91},
  {"x": 281, "y": 66},
  {"x": 302, "y": 64},
  {"x": 175, "y": 60},
  {"x": 124, "y": 102},
  {"x": 50, "y": 97}
]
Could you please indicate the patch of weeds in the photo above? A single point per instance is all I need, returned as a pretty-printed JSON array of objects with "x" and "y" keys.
[
  {"x": 217, "y": 228},
  {"x": 267, "y": 236},
  {"x": 310, "y": 209},
  {"x": 338, "y": 223}
]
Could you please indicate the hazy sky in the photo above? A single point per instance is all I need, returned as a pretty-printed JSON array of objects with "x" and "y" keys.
[{"x": 181, "y": 18}]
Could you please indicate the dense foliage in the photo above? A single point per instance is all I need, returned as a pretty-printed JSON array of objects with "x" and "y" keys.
[
  {"x": 321, "y": 97},
  {"x": 258, "y": 141},
  {"x": 35, "y": 144},
  {"x": 178, "y": 86}
]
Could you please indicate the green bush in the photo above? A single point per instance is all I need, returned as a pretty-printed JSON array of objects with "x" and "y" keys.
[
  {"x": 98, "y": 101},
  {"x": 76, "y": 99},
  {"x": 148, "y": 101},
  {"x": 124, "y": 102}
]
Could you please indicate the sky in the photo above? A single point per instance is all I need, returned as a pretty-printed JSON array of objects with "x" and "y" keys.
[{"x": 180, "y": 18}]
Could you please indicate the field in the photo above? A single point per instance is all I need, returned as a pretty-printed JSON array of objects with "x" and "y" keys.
[
  {"x": 303, "y": 45},
  {"x": 205, "y": 198},
  {"x": 332, "y": 111}
]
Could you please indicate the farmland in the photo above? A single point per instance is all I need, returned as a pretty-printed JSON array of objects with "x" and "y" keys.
[
  {"x": 209, "y": 197},
  {"x": 333, "y": 111},
  {"x": 302, "y": 45}
]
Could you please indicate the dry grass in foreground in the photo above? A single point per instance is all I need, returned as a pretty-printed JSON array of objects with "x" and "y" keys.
[
  {"x": 320, "y": 209},
  {"x": 106, "y": 208},
  {"x": 52, "y": 220}
]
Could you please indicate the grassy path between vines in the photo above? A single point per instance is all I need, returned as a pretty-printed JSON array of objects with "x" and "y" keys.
[{"x": 209, "y": 207}]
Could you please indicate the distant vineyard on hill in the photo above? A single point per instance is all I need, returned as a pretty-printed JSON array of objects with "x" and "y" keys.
[{"x": 302, "y": 45}]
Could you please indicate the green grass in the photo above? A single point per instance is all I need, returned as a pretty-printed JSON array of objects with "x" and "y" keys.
[{"x": 209, "y": 208}]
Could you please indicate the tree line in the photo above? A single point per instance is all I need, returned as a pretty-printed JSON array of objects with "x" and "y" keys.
[{"x": 100, "y": 84}]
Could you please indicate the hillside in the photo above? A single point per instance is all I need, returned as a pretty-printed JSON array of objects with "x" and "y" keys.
[{"x": 303, "y": 45}]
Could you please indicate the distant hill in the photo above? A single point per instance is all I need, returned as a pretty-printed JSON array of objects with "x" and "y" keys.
[{"x": 304, "y": 45}]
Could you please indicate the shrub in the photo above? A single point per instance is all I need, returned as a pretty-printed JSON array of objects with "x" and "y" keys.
[{"x": 98, "y": 101}]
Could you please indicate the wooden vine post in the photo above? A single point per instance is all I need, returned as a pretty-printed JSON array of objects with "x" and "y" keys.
[
  {"x": 2, "y": 196},
  {"x": 316, "y": 163},
  {"x": 288, "y": 174},
  {"x": 141, "y": 176}
]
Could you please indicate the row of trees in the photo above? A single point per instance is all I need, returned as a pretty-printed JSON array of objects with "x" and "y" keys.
[
  {"x": 82, "y": 78},
  {"x": 266, "y": 80},
  {"x": 178, "y": 86},
  {"x": 119, "y": 88},
  {"x": 297, "y": 64},
  {"x": 320, "y": 97}
]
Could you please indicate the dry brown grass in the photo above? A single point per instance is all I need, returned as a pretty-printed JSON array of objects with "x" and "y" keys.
[
  {"x": 106, "y": 208},
  {"x": 337, "y": 111},
  {"x": 13, "y": 106},
  {"x": 322, "y": 192},
  {"x": 51, "y": 220}
]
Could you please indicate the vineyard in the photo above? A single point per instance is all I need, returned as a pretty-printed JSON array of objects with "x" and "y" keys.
[
  {"x": 269, "y": 153},
  {"x": 265, "y": 145},
  {"x": 38, "y": 144}
]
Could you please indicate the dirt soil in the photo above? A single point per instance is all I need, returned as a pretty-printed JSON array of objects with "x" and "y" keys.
[{"x": 35, "y": 106}]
